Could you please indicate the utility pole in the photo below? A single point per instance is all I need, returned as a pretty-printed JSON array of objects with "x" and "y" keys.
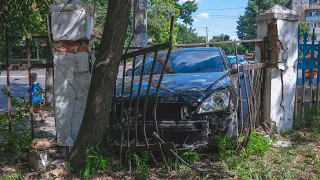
[
  {"x": 140, "y": 38},
  {"x": 207, "y": 38}
]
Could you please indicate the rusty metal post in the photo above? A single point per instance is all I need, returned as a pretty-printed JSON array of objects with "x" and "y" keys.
[
  {"x": 8, "y": 84},
  {"x": 30, "y": 87}
]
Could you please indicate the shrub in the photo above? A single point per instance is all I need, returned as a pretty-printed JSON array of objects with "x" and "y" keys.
[
  {"x": 19, "y": 140},
  {"x": 141, "y": 165},
  {"x": 190, "y": 157},
  {"x": 95, "y": 161},
  {"x": 309, "y": 120}
]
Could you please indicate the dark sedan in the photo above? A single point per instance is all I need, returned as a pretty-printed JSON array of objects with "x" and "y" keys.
[{"x": 198, "y": 97}]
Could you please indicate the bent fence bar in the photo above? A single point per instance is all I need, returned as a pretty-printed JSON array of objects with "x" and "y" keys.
[{"x": 126, "y": 112}]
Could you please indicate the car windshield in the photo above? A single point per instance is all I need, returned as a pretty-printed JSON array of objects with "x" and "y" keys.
[{"x": 185, "y": 61}]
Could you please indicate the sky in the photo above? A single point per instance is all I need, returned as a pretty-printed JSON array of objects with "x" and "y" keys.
[{"x": 220, "y": 16}]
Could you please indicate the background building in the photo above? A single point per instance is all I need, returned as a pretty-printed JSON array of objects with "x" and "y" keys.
[{"x": 309, "y": 11}]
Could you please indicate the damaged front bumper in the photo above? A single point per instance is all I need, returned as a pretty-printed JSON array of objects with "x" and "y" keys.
[{"x": 191, "y": 134}]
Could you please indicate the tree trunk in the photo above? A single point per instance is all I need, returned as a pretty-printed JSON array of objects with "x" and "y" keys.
[
  {"x": 96, "y": 116},
  {"x": 49, "y": 79}
]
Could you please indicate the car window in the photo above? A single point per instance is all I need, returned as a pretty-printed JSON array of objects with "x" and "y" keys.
[{"x": 186, "y": 61}]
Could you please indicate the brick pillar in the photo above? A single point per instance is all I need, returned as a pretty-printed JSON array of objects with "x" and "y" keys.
[
  {"x": 278, "y": 26},
  {"x": 71, "y": 28}
]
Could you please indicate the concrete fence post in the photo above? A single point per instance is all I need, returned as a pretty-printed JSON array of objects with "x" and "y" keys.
[
  {"x": 71, "y": 28},
  {"x": 278, "y": 26}
]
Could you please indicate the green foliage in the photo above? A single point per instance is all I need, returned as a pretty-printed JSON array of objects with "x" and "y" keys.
[
  {"x": 95, "y": 161},
  {"x": 228, "y": 48},
  {"x": 19, "y": 140},
  {"x": 14, "y": 176},
  {"x": 310, "y": 120},
  {"x": 22, "y": 18},
  {"x": 188, "y": 36},
  {"x": 304, "y": 28},
  {"x": 141, "y": 165},
  {"x": 247, "y": 28},
  {"x": 186, "y": 9},
  {"x": 190, "y": 157},
  {"x": 226, "y": 146},
  {"x": 257, "y": 144}
]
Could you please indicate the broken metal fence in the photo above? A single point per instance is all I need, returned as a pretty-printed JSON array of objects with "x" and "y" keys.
[
  {"x": 129, "y": 116},
  {"x": 250, "y": 89},
  {"x": 23, "y": 52},
  {"x": 308, "y": 77}
]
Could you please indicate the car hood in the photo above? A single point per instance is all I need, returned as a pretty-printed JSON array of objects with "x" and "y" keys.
[{"x": 187, "y": 88}]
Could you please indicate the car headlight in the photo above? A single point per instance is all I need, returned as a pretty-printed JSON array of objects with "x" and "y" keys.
[{"x": 217, "y": 101}]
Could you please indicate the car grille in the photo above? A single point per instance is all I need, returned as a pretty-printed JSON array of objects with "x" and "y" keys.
[{"x": 165, "y": 111}]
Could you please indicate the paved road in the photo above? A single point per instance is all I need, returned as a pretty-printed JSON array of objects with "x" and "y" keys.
[{"x": 19, "y": 84}]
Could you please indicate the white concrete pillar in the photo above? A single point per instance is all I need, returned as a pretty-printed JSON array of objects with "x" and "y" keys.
[
  {"x": 278, "y": 26},
  {"x": 71, "y": 28}
]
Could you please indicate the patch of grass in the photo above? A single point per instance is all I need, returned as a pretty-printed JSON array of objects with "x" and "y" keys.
[
  {"x": 309, "y": 120},
  {"x": 14, "y": 176},
  {"x": 257, "y": 144},
  {"x": 243, "y": 164},
  {"x": 260, "y": 161}
]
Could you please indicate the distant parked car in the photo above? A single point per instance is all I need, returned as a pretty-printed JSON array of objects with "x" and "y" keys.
[
  {"x": 241, "y": 61},
  {"x": 249, "y": 56}
]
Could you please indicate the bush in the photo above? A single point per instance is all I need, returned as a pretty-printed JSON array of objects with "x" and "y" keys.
[
  {"x": 309, "y": 120},
  {"x": 190, "y": 157},
  {"x": 19, "y": 140}
]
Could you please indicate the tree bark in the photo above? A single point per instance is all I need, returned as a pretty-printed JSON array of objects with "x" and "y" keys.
[{"x": 105, "y": 69}]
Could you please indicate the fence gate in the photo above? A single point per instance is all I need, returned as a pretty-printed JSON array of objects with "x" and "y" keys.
[{"x": 308, "y": 81}]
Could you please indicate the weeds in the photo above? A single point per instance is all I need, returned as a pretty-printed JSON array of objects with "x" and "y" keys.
[
  {"x": 245, "y": 168},
  {"x": 19, "y": 140},
  {"x": 309, "y": 120},
  {"x": 257, "y": 144},
  {"x": 141, "y": 165},
  {"x": 190, "y": 157},
  {"x": 95, "y": 160},
  {"x": 14, "y": 176},
  {"x": 226, "y": 146}
]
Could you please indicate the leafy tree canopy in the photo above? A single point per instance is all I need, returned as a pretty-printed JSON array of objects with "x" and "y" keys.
[
  {"x": 21, "y": 18},
  {"x": 247, "y": 28},
  {"x": 228, "y": 48},
  {"x": 188, "y": 36}
]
